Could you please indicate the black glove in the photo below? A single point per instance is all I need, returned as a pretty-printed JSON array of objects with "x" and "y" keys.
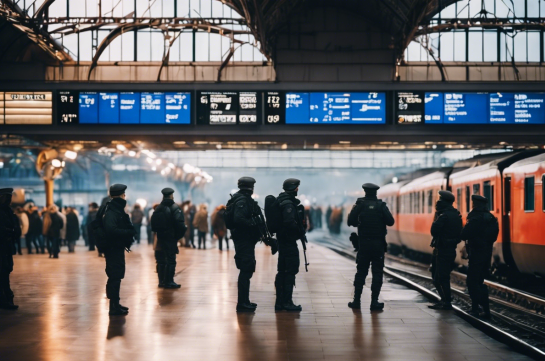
[{"x": 355, "y": 241}]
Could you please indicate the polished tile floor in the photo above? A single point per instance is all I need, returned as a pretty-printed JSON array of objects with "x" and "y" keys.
[{"x": 63, "y": 315}]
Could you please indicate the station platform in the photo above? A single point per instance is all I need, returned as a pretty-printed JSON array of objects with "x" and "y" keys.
[{"x": 63, "y": 314}]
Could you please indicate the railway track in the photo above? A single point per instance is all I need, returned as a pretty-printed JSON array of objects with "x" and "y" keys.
[{"x": 518, "y": 317}]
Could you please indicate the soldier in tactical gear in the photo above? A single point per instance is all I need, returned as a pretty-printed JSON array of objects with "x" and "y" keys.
[
  {"x": 480, "y": 254},
  {"x": 119, "y": 234},
  {"x": 371, "y": 216},
  {"x": 10, "y": 230},
  {"x": 445, "y": 231},
  {"x": 245, "y": 236},
  {"x": 293, "y": 228},
  {"x": 170, "y": 215}
]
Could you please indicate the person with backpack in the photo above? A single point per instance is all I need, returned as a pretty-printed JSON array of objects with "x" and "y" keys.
[
  {"x": 118, "y": 235},
  {"x": 291, "y": 228},
  {"x": 371, "y": 215},
  {"x": 239, "y": 215},
  {"x": 168, "y": 222},
  {"x": 445, "y": 231},
  {"x": 480, "y": 232}
]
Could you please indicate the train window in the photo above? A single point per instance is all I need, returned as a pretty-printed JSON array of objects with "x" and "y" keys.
[
  {"x": 459, "y": 199},
  {"x": 529, "y": 194},
  {"x": 423, "y": 202},
  {"x": 468, "y": 197},
  {"x": 477, "y": 189},
  {"x": 488, "y": 193},
  {"x": 430, "y": 201}
]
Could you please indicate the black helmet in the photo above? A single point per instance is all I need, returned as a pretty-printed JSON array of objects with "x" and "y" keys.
[
  {"x": 478, "y": 198},
  {"x": 446, "y": 196},
  {"x": 370, "y": 187},
  {"x": 291, "y": 184},
  {"x": 246, "y": 183}
]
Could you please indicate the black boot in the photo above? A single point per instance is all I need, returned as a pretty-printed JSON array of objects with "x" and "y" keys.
[
  {"x": 288, "y": 304},
  {"x": 6, "y": 302},
  {"x": 243, "y": 304},
  {"x": 116, "y": 310},
  {"x": 279, "y": 284},
  {"x": 356, "y": 303},
  {"x": 161, "y": 275},
  {"x": 123, "y": 307},
  {"x": 169, "y": 277},
  {"x": 375, "y": 304}
]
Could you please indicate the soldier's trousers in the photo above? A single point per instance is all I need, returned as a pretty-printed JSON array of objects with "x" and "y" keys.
[
  {"x": 478, "y": 269},
  {"x": 115, "y": 270},
  {"x": 160, "y": 265},
  {"x": 370, "y": 254},
  {"x": 288, "y": 267},
  {"x": 441, "y": 265},
  {"x": 245, "y": 262},
  {"x": 6, "y": 267}
]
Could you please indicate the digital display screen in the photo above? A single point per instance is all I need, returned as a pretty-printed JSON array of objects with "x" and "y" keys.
[
  {"x": 124, "y": 107},
  {"x": 470, "y": 108},
  {"x": 275, "y": 108},
  {"x": 21, "y": 108},
  {"x": 229, "y": 108},
  {"x": 339, "y": 108}
]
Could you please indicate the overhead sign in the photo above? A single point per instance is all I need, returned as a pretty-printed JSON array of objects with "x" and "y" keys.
[
  {"x": 26, "y": 108},
  {"x": 124, "y": 107},
  {"x": 228, "y": 108}
]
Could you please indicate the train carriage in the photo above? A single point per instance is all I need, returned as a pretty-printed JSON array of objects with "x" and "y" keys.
[
  {"x": 524, "y": 214},
  {"x": 389, "y": 194}
]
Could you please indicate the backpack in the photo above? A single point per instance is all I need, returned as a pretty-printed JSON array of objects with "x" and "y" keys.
[
  {"x": 492, "y": 228},
  {"x": 229, "y": 213},
  {"x": 160, "y": 219},
  {"x": 97, "y": 230},
  {"x": 273, "y": 214}
]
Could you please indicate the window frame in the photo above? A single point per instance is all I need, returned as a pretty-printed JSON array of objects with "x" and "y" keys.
[{"x": 526, "y": 209}]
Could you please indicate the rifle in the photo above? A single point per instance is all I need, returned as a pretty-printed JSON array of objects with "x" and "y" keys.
[
  {"x": 304, "y": 241},
  {"x": 265, "y": 236}
]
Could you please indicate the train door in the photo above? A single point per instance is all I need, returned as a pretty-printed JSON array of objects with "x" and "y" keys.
[{"x": 506, "y": 223}]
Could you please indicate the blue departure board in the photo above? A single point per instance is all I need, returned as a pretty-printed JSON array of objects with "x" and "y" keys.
[
  {"x": 108, "y": 108},
  {"x": 529, "y": 108},
  {"x": 466, "y": 108},
  {"x": 433, "y": 108},
  {"x": 178, "y": 108},
  {"x": 502, "y": 108},
  {"x": 152, "y": 108},
  {"x": 129, "y": 108},
  {"x": 88, "y": 108},
  {"x": 297, "y": 108},
  {"x": 335, "y": 108}
]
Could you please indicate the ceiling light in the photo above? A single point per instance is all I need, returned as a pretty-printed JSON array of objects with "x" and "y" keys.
[
  {"x": 70, "y": 154},
  {"x": 56, "y": 163},
  {"x": 121, "y": 147},
  {"x": 172, "y": 166},
  {"x": 132, "y": 153},
  {"x": 149, "y": 160},
  {"x": 158, "y": 161}
]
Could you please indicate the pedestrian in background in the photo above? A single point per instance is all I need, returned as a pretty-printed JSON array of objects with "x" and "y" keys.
[
  {"x": 201, "y": 223},
  {"x": 137, "y": 217},
  {"x": 218, "y": 224},
  {"x": 62, "y": 214},
  {"x": 52, "y": 226},
  {"x": 72, "y": 229},
  {"x": 33, "y": 237},
  {"x": 23, "y": 223}
]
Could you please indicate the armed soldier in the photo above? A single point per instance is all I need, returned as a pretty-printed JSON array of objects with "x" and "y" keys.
[
  {"x": 445, "y": 231},
  {"x": 480, "y": 232},
  {"x": 292, "y": 229},
  {"x": 10, "y": 230},
  {"x": 168, "y": 222},
  {"x": 239, "y": 218},
  {"x": 119, "y": 233},
  {"x": 371, "y": 216}
]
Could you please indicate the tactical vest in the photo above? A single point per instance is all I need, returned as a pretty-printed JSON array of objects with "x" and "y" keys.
[{"x": 370, "y": 220}]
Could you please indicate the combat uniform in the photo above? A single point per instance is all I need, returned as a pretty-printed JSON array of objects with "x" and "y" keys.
[
  {"x": 9, "y": 231},
  {"x": 291, "y": 230},
  {"x": 167, "y": 239},
  {"x": 119, "y": 234},
  {"x": 245, "y": 236},
  {"x": 445, "y": 231},
  {"x": 371, "y": 216},
  {"x": 480, "y": 254}
]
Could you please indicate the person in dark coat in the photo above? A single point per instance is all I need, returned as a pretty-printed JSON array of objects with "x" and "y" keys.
[
  {"x": 72, "y": 229},
  {"x": 10, "y": 230},
  {"x": 371, "y": 216},
  {"x": 168, "y": 221},
  {"x": 218, "y": 225},
  {"x": 91, "y": 216},
  {"x": 119, "y": 232},
  {"x": 292, "y": 229},
  {"x": 35, "y": 225},
  {"x": 479, "y": 245},
  {"x": 445, "y": 231},
  {"x": 137, "y": 218},
  {"x": 52, "y": 226}
]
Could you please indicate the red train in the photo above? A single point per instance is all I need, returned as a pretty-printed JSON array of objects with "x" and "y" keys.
[{"x": 513, "y": 183}]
